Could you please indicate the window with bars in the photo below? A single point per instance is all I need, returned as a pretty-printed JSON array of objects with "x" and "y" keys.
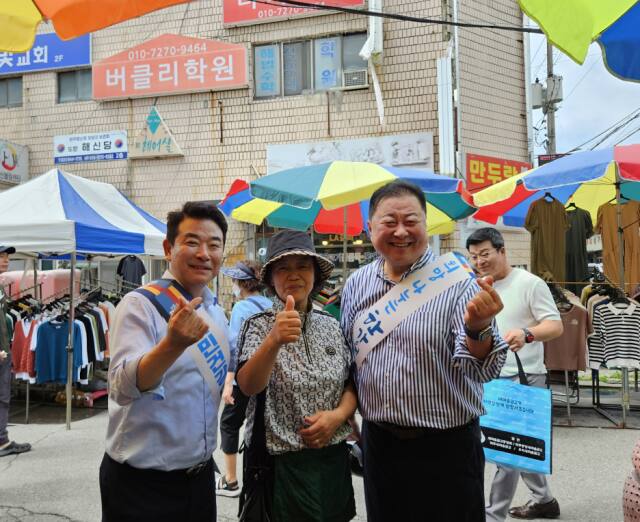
[{"x": 300, "y": 67}]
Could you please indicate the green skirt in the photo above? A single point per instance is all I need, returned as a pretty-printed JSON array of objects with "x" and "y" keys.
[{"x": 313, "y": 485}]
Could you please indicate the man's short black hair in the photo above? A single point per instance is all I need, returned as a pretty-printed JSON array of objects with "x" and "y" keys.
[
  {"x": 195, "y": 210},
  {"x": 396, "y": 189},
  {"x": 486, "y": 234}
]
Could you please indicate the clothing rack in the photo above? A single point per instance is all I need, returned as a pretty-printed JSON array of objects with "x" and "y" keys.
[
  {"x": 560, "y": 298},
  {"x": 82, "y": 298},
  {"x": 598, "y": 279}
]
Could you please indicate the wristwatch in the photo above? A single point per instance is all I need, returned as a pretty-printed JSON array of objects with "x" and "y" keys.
[
  {"x": 528, "y": 336},
  {"x": 481, "y": 335}
]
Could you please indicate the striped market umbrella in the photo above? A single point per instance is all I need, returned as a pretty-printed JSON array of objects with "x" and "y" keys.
[
  {"x": 240, "y": 205},
  {"x": 588, "y": 179},
  {"x": 447, "y": 199},
  {"x": 338, "y": 184},
  {"x": 19, "y": 19},
  {"x": 572, "y": 25}
]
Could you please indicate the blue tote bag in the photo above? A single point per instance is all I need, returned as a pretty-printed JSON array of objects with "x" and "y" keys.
[{"x": 516, "y": 431}]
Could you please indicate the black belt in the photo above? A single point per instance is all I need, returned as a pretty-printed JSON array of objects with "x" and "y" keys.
[
  {"x": 411, "y": 432},
  {"x": 177, "y": 474}
]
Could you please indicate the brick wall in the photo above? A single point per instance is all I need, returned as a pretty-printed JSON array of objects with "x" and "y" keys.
[
  {"x": 491, "y": 82},
  {"x": 492, "y": 95}
]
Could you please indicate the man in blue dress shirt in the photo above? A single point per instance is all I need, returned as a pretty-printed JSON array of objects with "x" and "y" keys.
[{"x": 162, "y": 414}]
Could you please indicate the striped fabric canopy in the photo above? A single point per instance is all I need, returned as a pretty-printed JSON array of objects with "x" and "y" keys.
[
  {"x": 306, "y": 196},
  {"x": 572, "y": 25},
  {"x": 59, "y": 212},
  {"x": 587, "y": 179}
]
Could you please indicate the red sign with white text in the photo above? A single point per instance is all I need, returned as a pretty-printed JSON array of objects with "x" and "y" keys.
[
  {"x": 484, "y": 171},
  {"x": 171, "y": 64},
  {"x": 245, "y": 12}
]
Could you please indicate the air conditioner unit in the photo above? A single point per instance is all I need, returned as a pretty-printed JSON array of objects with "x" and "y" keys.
[{"x": 355, "y": 79}]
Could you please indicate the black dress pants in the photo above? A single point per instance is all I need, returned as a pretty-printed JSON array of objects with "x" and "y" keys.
[
  {"x": 138, "y": 495},
  {"x": 231, "y": 420},
  {"x": 438, "y": 476}
]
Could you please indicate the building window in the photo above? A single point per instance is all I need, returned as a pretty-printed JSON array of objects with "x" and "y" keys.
[
  {"x": 290, "y": 68},
  {"x": 11, "y": 92},
  {"x": 74, "y": 86}
]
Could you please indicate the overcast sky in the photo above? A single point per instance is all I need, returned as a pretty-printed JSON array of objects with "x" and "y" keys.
[{"x": 594, "y": 99}]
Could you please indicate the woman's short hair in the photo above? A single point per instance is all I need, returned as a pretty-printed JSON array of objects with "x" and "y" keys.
[{"x": 251, "y": 285}]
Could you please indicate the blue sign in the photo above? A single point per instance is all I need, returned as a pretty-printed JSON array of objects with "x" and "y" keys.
[{"x": 47, "y": 53}]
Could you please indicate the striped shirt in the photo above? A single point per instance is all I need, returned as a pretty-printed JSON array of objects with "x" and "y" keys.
[
  {"x": 614, "y": 341},
  {"x": 422, "y": 374}
]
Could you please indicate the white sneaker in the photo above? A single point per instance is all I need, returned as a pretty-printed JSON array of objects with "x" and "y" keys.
[{"x": 226, "y": 489}]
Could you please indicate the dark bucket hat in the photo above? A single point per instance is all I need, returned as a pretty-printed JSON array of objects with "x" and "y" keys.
[
  {"x": 239, "y": 271},
  {"x": 7, "y": 249},
  {"x": 293, "y": 243}
]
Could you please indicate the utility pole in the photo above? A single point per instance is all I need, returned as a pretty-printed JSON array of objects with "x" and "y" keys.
[{"x": 551, "y": 106}]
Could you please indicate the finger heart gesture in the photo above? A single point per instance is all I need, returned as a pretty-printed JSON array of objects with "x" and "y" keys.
[
  {"x": 484, "y": 306},
  {"x": 185, "y": 326}
]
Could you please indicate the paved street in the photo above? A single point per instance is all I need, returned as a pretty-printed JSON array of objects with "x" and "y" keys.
[{"x": 58, "y": 480}]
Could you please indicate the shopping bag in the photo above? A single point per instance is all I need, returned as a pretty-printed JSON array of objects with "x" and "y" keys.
[{"x": 517, "y": 429}]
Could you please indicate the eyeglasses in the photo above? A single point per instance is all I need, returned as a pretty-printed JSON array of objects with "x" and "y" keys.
[{"x": 484, "y": 255}]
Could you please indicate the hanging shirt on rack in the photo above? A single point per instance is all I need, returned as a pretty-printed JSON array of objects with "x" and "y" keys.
[
  {"x": 547, "y": 222},
  {"x": 607, "y": 226},
  {"x": 577, "y": 267},
  {"x": 569, "y": 351},
  {"x": 616, "y": 336},
  {"x": 131, "y": 269},
  {"x": 51, "y": 351},
  {"x": 23, "y": 346}
]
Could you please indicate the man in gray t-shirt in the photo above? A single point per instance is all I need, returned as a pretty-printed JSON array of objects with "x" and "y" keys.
[{"x": 529, "y": 318}]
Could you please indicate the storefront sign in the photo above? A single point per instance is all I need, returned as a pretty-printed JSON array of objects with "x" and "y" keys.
[
  {"x": 14, "y": 162},
  {"x": 246, "y": 12},
  {"x": 484, "y": 171},
  {"x": 155, "y": 140},
  {"x": 171, "y": 64},
  {"x": 78, "y": 148},
  {"x": 548, "y": 158},
  {"x": 403, "y": 150},
  {"x": 48, "y": 53}
]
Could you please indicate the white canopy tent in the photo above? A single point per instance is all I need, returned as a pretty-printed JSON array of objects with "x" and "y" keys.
[{"x": 60, "y": 213}]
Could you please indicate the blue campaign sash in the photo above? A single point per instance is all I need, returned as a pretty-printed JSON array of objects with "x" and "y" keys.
[
  {"x": 211, "y": 353},
  {"x": 404, "y": 298}
]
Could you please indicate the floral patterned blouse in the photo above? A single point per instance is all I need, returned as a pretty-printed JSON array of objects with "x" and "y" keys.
[{"x": 308, "y": 376}]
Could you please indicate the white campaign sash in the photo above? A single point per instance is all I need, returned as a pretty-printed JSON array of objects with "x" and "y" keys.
[
  {"x": 211, "y": 355},
  {"x": 423, "y": 285}
]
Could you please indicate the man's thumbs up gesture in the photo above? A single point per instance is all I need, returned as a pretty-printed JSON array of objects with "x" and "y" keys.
[
  {"x": 288, "y": 326},
  {"x": 185, "y": 326}
]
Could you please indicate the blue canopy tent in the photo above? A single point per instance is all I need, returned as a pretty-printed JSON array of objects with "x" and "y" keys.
[{"x": 59, "y": 213}]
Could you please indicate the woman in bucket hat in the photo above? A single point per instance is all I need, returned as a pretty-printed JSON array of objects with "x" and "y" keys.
[
  {"x": 247, "y": 290},
  {"x": 294, "y": 363}
]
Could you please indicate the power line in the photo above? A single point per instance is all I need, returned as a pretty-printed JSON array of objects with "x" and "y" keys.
[
  {"x": 617, "y": 129},
  {"x": 578, "y": 147},
  {"x": 581, "y": 78},
  {"x": 395, "y": 16},
  {"x": 542, "y": 42},
  {"x": 628, "y": 135}
]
